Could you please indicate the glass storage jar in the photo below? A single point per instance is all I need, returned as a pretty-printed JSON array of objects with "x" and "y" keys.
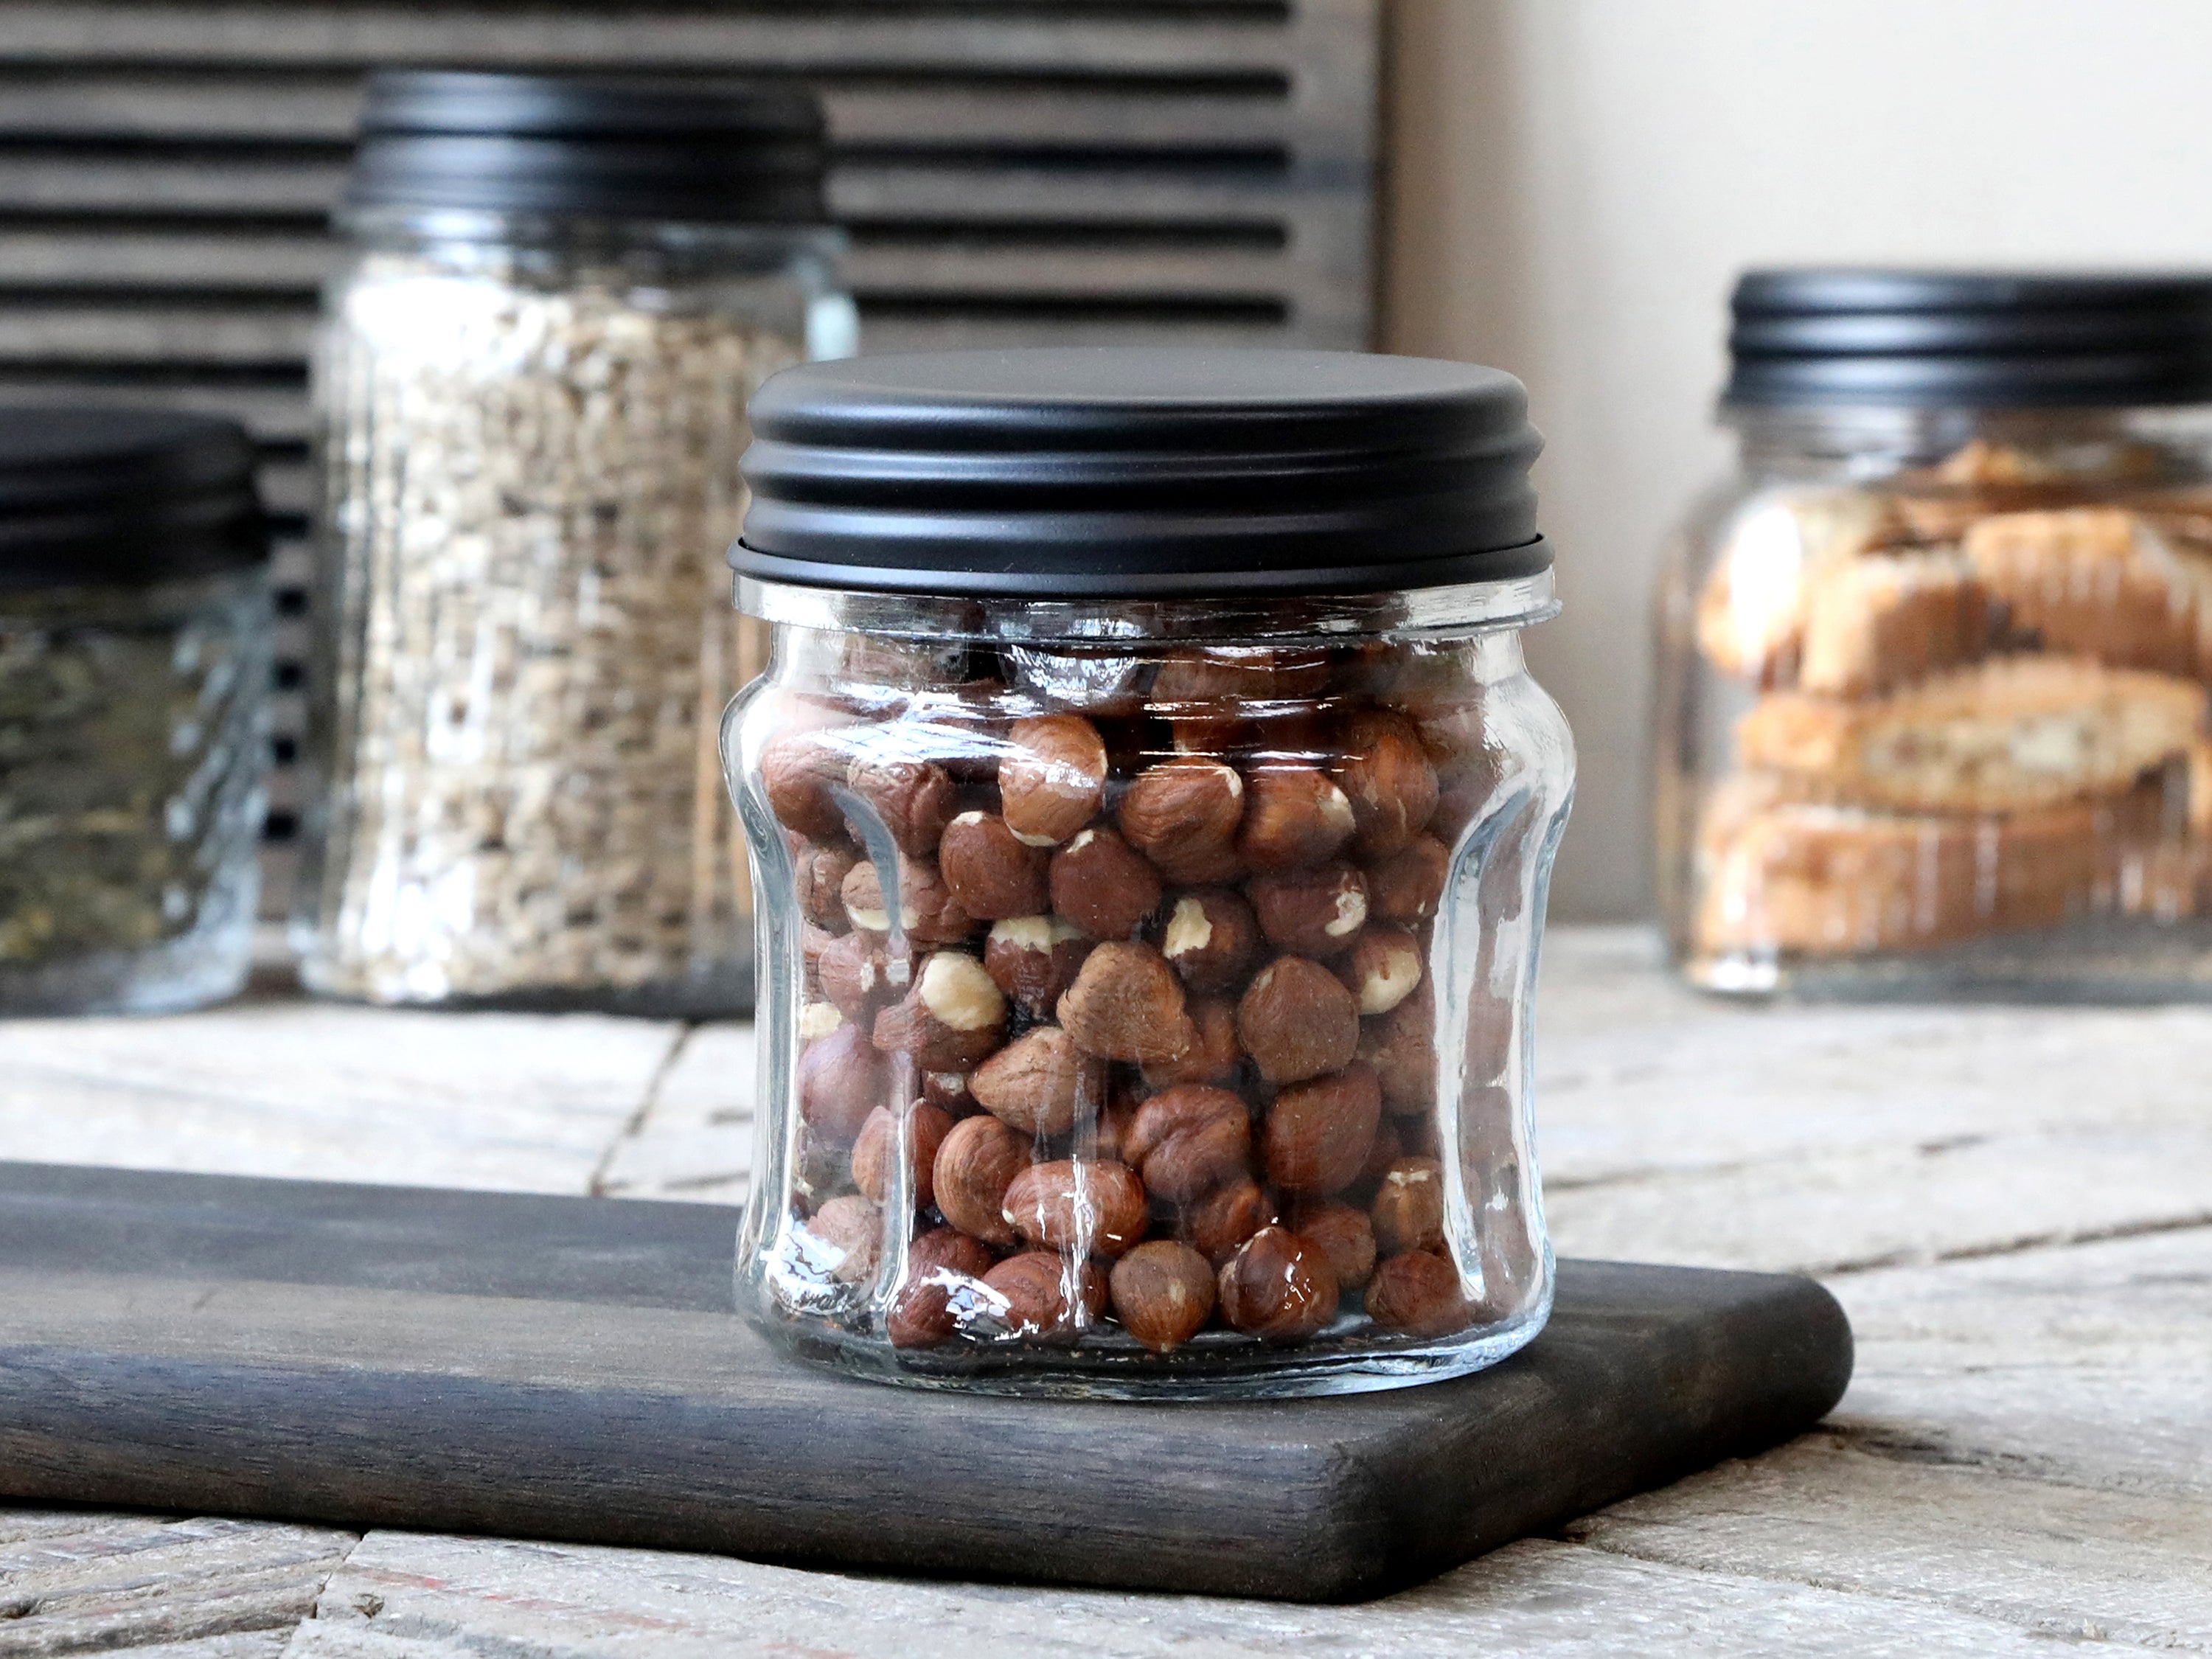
[
  {"x": 1934, "y": 661},
  {"x": 134, "y": 709},
  {"x": 1153, "y": 817},
  {"x": 529, "y": 393}
]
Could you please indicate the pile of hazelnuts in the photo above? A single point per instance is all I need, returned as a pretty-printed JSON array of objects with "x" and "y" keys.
[{"x": 1142, "y": 1026}]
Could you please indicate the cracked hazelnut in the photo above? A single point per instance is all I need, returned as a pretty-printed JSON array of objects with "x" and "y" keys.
[
  {"x": 1316, "y": 912},
  {"x": 1034, "y": 959},
  {"x": 1186, "y": 1140},
  {"x": 819, "y": 872},
  {"x": 1127, "y": 1004},
  {"x": 1418, "y": 1294},
  {"x": 801, "y": 773},
  {"x": 1297, "y": 1021},
  {"x": 913, "y": 799},
  {"x": 1406, "y": 887},
  {"x": 928, "y": 914},
  {"x": 1341, "y": 1233},
  {"x": 1317, "y": 1134},
  {"x": 1293, "y": 817},
  {"x": 1386, "y": 775},
  {"x": 1214, "y": 1053},
  {"x": 1103, "y": 885},
  {"x": 1162, "y": 1293},
  {"x": 941, "y": 1263},
  {"x": 1383, "y": 968},
  {"x": 876, "y": 1148},
  {"x": 1408, "y": 1211},
  {"x": 1027, "y": 1296},
  {"x": 1039, "y": 1083},
  {"x": 1052, "y": 777},
  {"x": 948, "y": 1091},
  {"x": 858, "y": 977},
  {"x": 1401, "y": 1046},
  {"x": 840, "y": 1080},
  {"x": 991, "y": 872},
  {"x": 1096, "y": 1208},
  {"x": 1277, "y": 1287},
  {"x": 952, "y": 1018},
  {"x": 1182, "y": 815},
  {"x": 977, "y": 1161},
  {"x": 844, "y": 1239},
  {"x": 1217, "y": 1224},
  {"x": 817, "y": 1020},
  {"x": 1209, "y": 937}
]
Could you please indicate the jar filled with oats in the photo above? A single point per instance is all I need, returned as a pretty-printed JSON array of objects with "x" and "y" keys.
[
  {"x": 1151, "y": 815},
  {"x": 1933, "y": 662},
  {"x": 531, "y": 390}
]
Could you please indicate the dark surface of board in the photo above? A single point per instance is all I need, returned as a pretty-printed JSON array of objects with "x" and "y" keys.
[{"x": 569, "y": 1367}]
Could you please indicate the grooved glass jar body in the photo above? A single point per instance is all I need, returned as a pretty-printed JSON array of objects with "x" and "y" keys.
[
  {"x": 528, "y": 429},
  {"x": 134, "y": 751},
  {"x": 1189, "y": 1055},
  {"x": 1932, "y": 714}
]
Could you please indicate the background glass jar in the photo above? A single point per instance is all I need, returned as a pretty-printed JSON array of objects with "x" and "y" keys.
[
  {"x": 531, "y": 392},
  {"x": 135, "y": 664},
  {"x": 1934, "y": 661},
  {"x": 1145, "y": 980}
]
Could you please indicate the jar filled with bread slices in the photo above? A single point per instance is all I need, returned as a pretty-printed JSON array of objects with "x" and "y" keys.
[{"x": 1933, "y": 663}]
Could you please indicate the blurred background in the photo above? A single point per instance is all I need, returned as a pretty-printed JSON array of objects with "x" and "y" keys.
[{"x": 1564, "y": 188}]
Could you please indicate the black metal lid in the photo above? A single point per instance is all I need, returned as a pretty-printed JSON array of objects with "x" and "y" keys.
[
  {"x": 102, "y": 496},
  {"x": 1989, "y": 339},
  {"x": 626, "y": 149},
  {"x": 1139, "y": 472}
]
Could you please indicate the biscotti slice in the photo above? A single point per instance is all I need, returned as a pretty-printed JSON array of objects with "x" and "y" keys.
[
  {"x": 1751, "y": 611},
  {"x": 2010, "y": 732},
  {"x": 1882, "y": 620},
  {"x": 2097, "y": 581},
  {"x": 1838, "y": 881}
]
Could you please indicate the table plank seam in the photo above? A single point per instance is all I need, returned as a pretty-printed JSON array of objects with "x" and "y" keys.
[{"x": 634, "y": 1124}]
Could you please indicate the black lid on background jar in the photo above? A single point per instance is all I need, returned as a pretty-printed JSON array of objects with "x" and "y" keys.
[
  {"x": 559, "y": 144},
  {"x": 1139, "y": 472},
  {"x": 1986, "y": 339},
  {"x": 100, "y": 496}
]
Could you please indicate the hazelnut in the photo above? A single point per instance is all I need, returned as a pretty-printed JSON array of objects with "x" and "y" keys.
[
  {"x": 913, "y": 799},
  {"x": 1034, "y": 959},
  {"x": 991, "y": 872},
  {"x": 1401, "y": 1046},
  {"x": 1386, "y": 775},
  {"x": 1209, "y": 937},
  {"x": 1094, "y": 1208},
  {"x": 928, "y": 914},
  {"x": 1110, "y": 1133},
  {"x": 1293, "y": 817},
  {"x": 812, "y": 942},
  {"x": 818, "y": 873},
  {"x": 1187, "y": 1140},
  {"x": 1240, "y": 674},
  {"x": 940, "y": 1263},
  {"x": 1418, "y": 1294},
  {"x": 1406, "y": 887},
  {"x": 1316, "y": 912},
  {"x": 1028, "y": 1295},
  {"x": 1489, "y": 1037},
  {"x": 1039, "y": 1083},
  {"x": 1389, "y": 1146},
  {"x": 1214, "y": 1053},
  {"x": 858, "y": 975},
  {"x": 1052, "y": 778},
  {"x": 1297, "y": 1021},
  {"x": 801, "y": 773},
  {"x": 1317, "y": 1134},
  {"x": 843, "y": 1240},
  {"x": 1277, "y": 1287},
  {"x": 1162, "y": 1293},
  {"x": 1127, "y": 1004},
  {"x": 952, "y": 1018},
  {"x": 977, "y": 1161},
  {"x": 1341, "y": 1233},
  {"x": 1182, "y": 815},
  {"x": 1383, "y": 968},
  {"x": 1221, "y": 1221},
  {"x": 818, "y": 1019},
  {"x": 949, "y": 1092},
  {"x": 840, "y": 1080},
  {"x": 1103, "y": 885},
  {"x": 877, "y": 1146},
  {"x": 1409, "y": 1206}
]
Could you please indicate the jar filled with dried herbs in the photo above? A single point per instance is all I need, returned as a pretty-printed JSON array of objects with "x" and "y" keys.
[
  {"x": 134, "y": 709},
  {"x": 531, "y": 394}
]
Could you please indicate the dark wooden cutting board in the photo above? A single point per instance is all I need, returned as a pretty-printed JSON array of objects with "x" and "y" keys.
[{"x": 569, "y": 1367}]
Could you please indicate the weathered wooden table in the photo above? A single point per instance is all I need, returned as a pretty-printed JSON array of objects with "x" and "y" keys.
[{"x": 2015, "y": 1205}]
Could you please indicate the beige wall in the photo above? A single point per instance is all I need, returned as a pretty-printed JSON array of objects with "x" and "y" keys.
[{"x": 1575, "y": 182}]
